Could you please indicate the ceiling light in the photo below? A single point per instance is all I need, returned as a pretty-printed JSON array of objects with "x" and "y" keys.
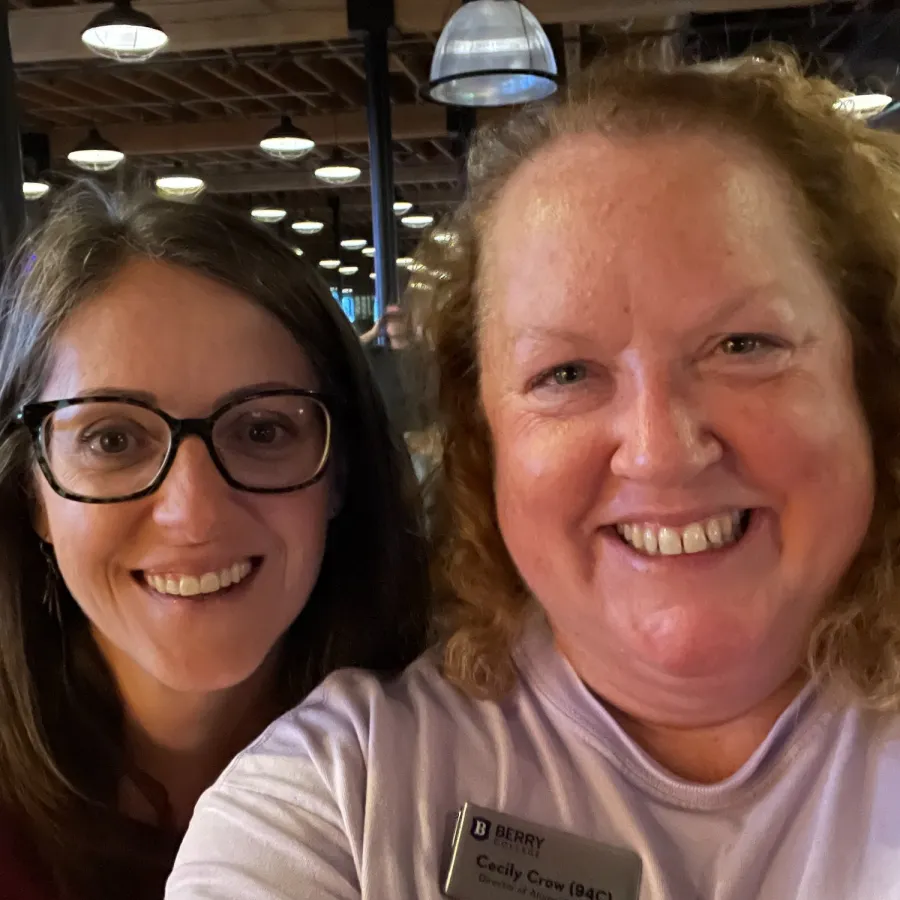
[
  {"x": 180, "y": 187},
  {"x": 308, "y": 226},
  {"x": 405, "y": 262},
  {"x": 492, "y": 53},
  {"x": 445, "y": 237},
  {"x": 354, "y": 243},
  {"x": 346, "y": 290},
  {"x": 286, "y": 141},
  {"x": 268, "y": 214},
  {"x": 402, "y": 207},
  {"x": 96, "y": 154},
  {"x": 337, "y": 170},
  {"x": 864, "y": 105},
  {"x": 423, "y": 220},
  {"x": 372, "y": 275},
  {"x": 34, "y": 190},
  {"x": 298, "y": 251},
  {"x": 369, "y": 251},
  {"x": 348, "y": 270},
  {"x": 124, "y": 34},
  {"x": 330, "y": 263}
]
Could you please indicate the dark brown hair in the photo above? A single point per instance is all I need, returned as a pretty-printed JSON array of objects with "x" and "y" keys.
[
  {"x": 61, "y": 747},
  {"x": 846, "y": 179}
]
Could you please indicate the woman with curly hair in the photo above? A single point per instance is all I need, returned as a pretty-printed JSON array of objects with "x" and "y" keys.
[{"x": 667, "y": 328}]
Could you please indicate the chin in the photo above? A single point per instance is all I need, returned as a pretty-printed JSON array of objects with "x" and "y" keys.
[
  {"x": 196, "y": 677},
  {"x": 695, "y": 644}
]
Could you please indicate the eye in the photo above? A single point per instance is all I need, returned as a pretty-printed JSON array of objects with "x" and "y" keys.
[
  {"x": 264, "y": 432},
  {"x": 563, "y": 376},
  {"x": 747, "y": 344},
  {"x": 109, "y": 441}
]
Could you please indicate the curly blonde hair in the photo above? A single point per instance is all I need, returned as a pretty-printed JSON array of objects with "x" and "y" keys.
[{"x": 847, "y": 179}]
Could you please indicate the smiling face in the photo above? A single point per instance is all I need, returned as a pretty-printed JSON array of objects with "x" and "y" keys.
[
  {"x": 683, "y": 471},
  {"x": 189, "y": 343}
]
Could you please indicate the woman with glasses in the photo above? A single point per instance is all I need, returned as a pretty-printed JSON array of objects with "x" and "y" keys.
[{"x": 204, "y": 513}]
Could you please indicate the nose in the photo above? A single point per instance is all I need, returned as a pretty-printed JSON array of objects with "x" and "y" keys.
[
  {"x": 662, "y": 438},
  {"x": 193, "y": 496}
]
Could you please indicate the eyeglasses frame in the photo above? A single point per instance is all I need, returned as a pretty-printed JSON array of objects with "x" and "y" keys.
[{"x": 33, "y": 415}]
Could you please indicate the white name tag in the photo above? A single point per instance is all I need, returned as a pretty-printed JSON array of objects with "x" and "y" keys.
[{"x": 495, "y": 855}]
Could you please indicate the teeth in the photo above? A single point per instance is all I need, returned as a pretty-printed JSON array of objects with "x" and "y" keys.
[
  {"x": 697, "y": 537},
  {"x": 192, "y": 585}
]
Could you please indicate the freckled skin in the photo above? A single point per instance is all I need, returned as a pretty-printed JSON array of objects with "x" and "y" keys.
[{"x": 632, "y": 262}]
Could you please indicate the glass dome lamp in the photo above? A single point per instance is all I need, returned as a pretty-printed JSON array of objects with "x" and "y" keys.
[
  {"x": 492, "y": 53},
  {"x": 864, "y": 106},
  {"x": 402, "y": 207},
  {"x": 35, "y": 188},
  {"x": 180, "y": 185},
  {"x": 330, "y": 263},
  {"x": 369, "y": 251},
  {"x": 268, "y": 214},
  {"x": 337, "y": 171},
  {"x": 96, "y": 154},
  {"x": 286, "y": 141},
  {"x": 348, "y": 270},
  {"x": 354, "y": 243},
  {"x": 308, "y": 226},
  {"x": 423, "y": 220},
  {"x": 124, "y": 34}
]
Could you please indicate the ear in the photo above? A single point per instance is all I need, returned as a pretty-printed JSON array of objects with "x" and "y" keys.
[{"x": 40, "y": 522}]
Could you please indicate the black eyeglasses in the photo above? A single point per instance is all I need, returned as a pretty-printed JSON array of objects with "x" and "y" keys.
[{"x": 107, "y": 449}]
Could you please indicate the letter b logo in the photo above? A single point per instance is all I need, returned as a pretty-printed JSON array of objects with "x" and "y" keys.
[{"x": 481, "y": 829}]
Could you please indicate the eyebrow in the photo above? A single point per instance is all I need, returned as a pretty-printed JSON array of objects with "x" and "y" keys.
[
  {"x": 151, "y": 398},
  {"x": 732, "y": 305}
]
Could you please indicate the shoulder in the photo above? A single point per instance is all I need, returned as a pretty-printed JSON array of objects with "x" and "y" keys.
[{"x": 339, "y": 719}]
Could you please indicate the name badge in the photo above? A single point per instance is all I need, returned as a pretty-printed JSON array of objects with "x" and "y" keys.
[{"x": 495, "y": 855}]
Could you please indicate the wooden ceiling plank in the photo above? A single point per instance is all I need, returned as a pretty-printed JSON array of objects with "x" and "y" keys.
[
  {"x": 300, "y": 180},
  {"x": 289, "y": 91},
  {"x": 410, "y": 122},
  {"x": 50, "y": 34},
  {"x": 337, "y": 79}
]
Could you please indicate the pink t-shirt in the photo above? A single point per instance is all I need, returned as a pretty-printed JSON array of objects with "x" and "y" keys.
[{"x": 354, "y": 795}]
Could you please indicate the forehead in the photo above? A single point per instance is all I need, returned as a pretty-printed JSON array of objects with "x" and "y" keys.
[
  {"x": 591, "y": 217},
  {"x": 176, "y": 334}
]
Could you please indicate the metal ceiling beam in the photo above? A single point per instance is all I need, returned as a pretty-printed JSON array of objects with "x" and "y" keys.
[
  {"x": 411, "y": 123},
  {"x": 267, "y": 182},
  {"x": 48, "y": 34}
]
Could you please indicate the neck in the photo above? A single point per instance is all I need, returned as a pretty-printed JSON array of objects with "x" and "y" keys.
[
  {"x": 700, "y": 729},
  {"x": 710, "y": 753},
  {"x": 398, "y": 343},
  {"x": 183, "y": 740}
]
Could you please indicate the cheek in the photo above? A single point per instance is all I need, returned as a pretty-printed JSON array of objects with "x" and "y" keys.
[
  {"x": 86, "y": 541},
  {"x": 300, "y": 524},
  {"x": 547, "y": 472}
]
